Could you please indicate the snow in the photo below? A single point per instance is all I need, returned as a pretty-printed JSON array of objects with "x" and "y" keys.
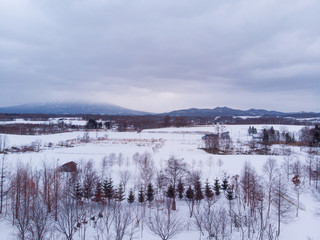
[
  {"x": 308, "y": 221},
  {"x": 163, "y": 143},
  {"x": 73, "y": 121}
]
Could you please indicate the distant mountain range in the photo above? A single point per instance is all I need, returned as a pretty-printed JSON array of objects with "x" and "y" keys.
[
  {"x": 224, "y": 112},
  {"x": 71, "y": 108},
  {"x": 110, "y": 109},
  {"x": 229, "y": 112}
]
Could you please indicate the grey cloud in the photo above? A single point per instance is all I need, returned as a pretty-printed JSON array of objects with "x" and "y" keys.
[{"x": 190, "y": 52}]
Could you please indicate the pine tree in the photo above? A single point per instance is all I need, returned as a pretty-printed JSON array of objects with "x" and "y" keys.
[
  {"x": 141, "y": 196},
  {"x": 229, "y": 194},
  {"x": 98, "y": 195},
  {"x": 190, "y": 199},
  {"x": 254, "y": 130},
  {"x": 265, "y": 136},
  {"x": 198, "y": 194},
  {"x": 225, "y": 184},
  {"x": 120, "y": 193},
  {"x": 272, "y": 134},
  {"x": 180, "y": 189},
  {"x": 190, "y": 193},
  {"x": 150, "y": 193},
  {"x": 87, "y": 188},
  {"x": 170, "y": 192},
  {"x": 217, "y": 187},
  {"x": 108, "y": 189},
  {"x": 208, "y": 192},
  {"x": 131, "y": 196},
  {"x": 77, "y": 192}
]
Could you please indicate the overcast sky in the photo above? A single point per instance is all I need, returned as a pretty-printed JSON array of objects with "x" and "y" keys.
[{"x": 162, "y": 55}]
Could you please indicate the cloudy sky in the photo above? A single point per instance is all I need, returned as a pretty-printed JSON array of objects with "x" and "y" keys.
[{"x": 162, "y": 55}]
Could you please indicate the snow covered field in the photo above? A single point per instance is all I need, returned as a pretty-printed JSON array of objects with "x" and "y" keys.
[
  {"x": 71, "y": 121},
  {"x": 183, "y": 143}
]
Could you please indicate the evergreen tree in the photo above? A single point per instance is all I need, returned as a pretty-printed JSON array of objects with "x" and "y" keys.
[
  {"x": 170, "y": 192},
  {"x": 77, "y": 192},
  {"x": 98, "y": 195},
  {"x": 180, "y": 189},
  {"x": 141, "y": 196},
  {"x": 190, "y": 199},
  {"x": 208, "y": 192},
  {"x": 108, "y": 189},
  {"x": 265, "y": 136},
  {"x": 229, "y": 194},
  {"x": 216, "y": 187},
  {"x": 198, "y": 194},
  {"x": 131, "y": 196},
  {"x": 316, "y": 134},
  {"x": 254, "y": 130},
  {"x": 150, "y": 193},
  {"x": 225, "y": 184},
  {"x": 120, "y": 193},
  {"x": 190, "y": 193},
  {"x": 87, "y": 188},
  {"x": 272, "y": 134}
]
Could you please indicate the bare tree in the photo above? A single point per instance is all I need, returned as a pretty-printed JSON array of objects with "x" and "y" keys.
[
  {"x": 120, "y": 160},
  {"x": 310, "y": 166},
  {"x": 3, "y": 143},
  {"x": 316, "y": 173},
  {"x": 112, "y": 159},
  {"x": 104, "y": 164},
  {"x": 20, "y": 203},
  {"x": 56, "y": 190},
  {"x": 161, "y": 182},
  {"x": 281, "y": 201},
  {"x": 298, "y": 188},
  {"x": 123, "y": 219},
  {"x": 2, "y": 180},
  {"x": 67, "y": 217},
  {"x": 219, "y": 164},
  {"x": 146, "y": 167},
  {"x": 210, "y": 164},
  {"x": 213, "y": 220},
  {"x": 124, "y": 178},
  {"x": 164, "y": 223},
  {"x": 48, "y": 187},
  {"x": 107, "y": 220},
  {"x": 29, "y": 212},
  {"x": 297, "y": 168},
  {"x": 287, "y": 165},
  {"x": 253, "y": 195},
  {"x": 40, "y": 220},
  {"x": 238, "y": 216},
  {"x": 249, "y": 182},
  {"x": 270, "y": 169}
]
